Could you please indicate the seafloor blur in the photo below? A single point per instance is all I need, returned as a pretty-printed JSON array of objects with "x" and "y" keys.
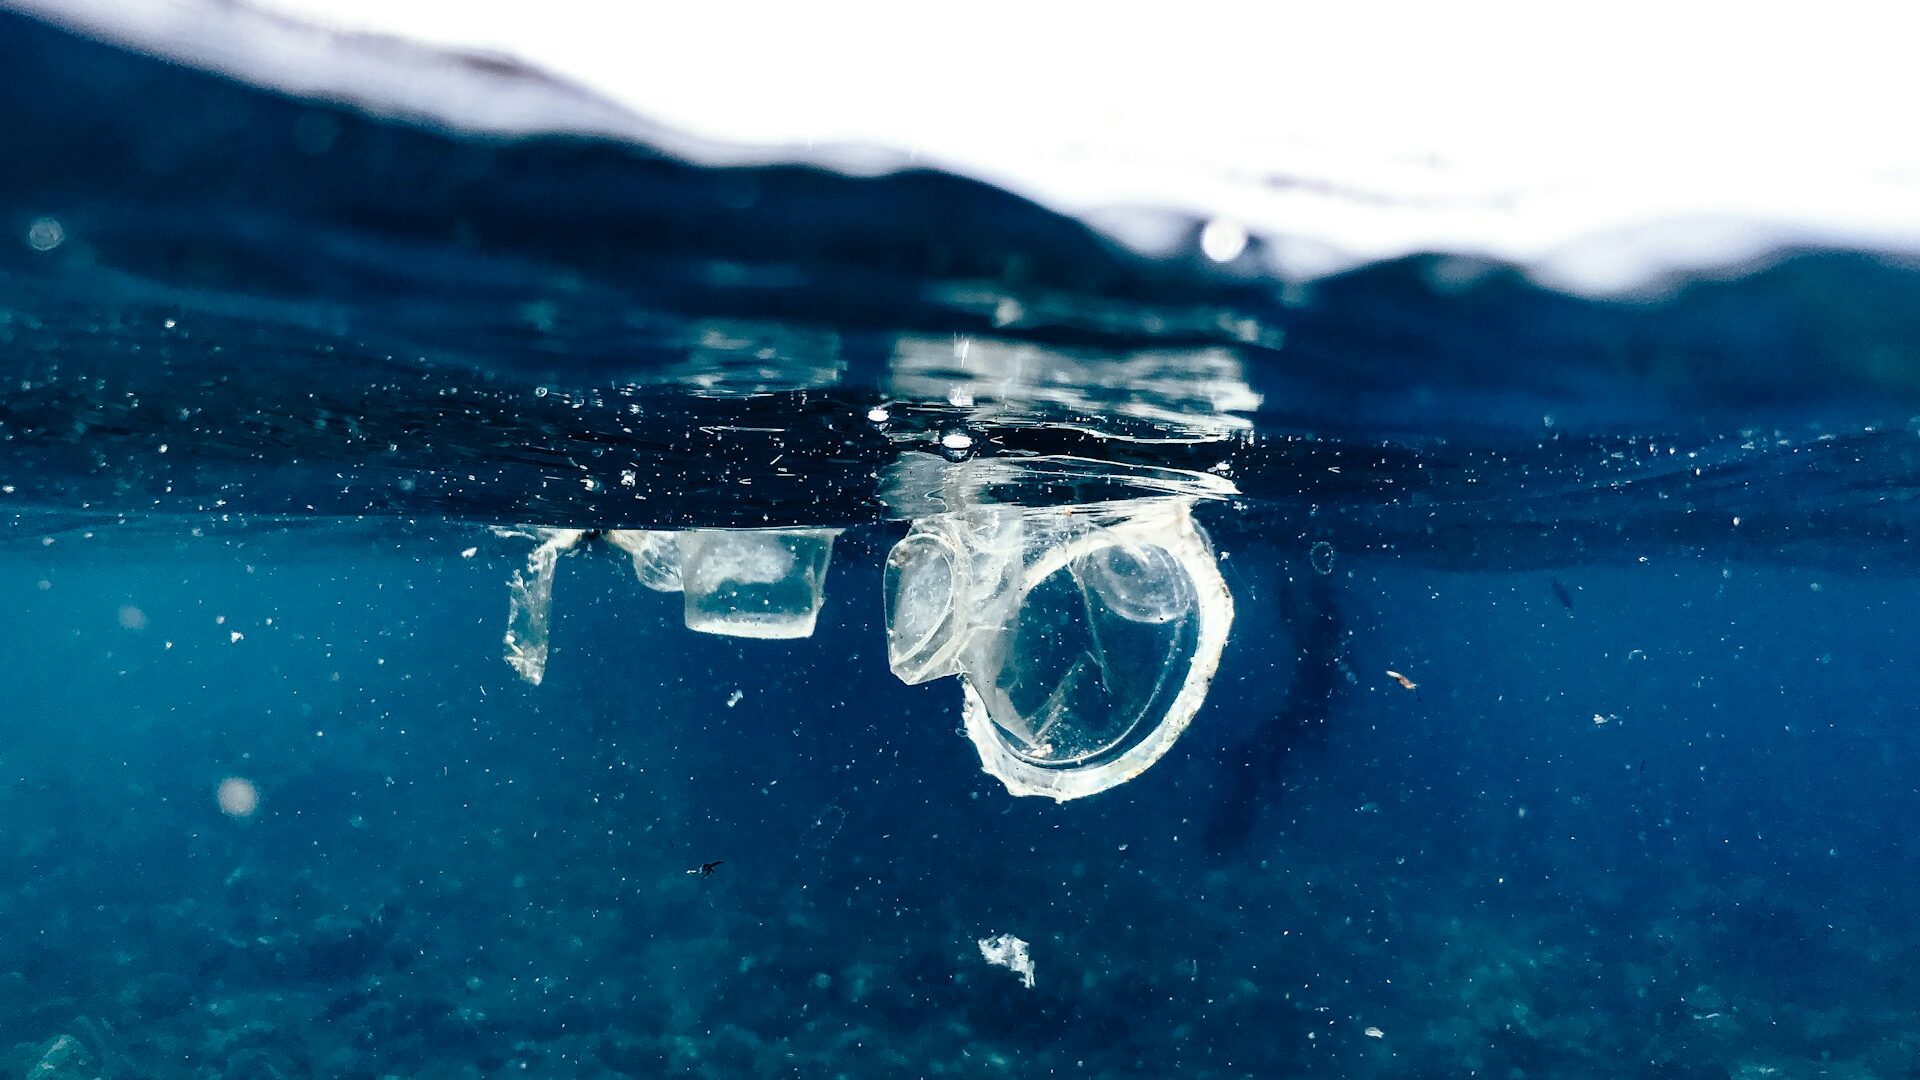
[{"x": 1645, "y": 819}]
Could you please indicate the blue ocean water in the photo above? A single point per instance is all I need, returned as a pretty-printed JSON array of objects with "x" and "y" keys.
[{"x": 1562, "y": 724}]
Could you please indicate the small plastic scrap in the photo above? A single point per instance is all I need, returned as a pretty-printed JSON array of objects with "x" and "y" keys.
[
  {"x": 530, "y": 596},
  {"x": 1009, "y": 952}
]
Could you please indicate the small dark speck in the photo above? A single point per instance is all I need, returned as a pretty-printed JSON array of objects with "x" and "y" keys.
[{"x": 1561, "y": 594}]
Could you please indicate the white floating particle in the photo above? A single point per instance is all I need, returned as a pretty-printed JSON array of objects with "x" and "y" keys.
[
  {"x": 468, "y": 553},
  {"x": 235, "y": 637},
  {"x": 1009, "y": 952},
  {"x": 734, "y": 698},
  {"x": 1374, "y": 1033},
  {"x": 957, "y": 440},
  {"x": 877, "y": 415},
  {"x": 237, "y": 797},
  {"x": 45, "y": 234}
]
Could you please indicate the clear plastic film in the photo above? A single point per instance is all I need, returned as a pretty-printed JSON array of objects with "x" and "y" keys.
[{"x": 530, "y": 602}]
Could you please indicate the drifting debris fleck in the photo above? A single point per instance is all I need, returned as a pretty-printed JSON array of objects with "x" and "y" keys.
[
  {"x": 45, "y": 234},
  {"x": 1405, "y": 683},
  {"x": 1009, "y": 952},
  {"x": 1561, "y": 593},
  {"x": 237, "y": 796}
]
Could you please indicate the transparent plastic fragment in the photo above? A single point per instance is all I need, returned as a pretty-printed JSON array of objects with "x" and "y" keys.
[
  {"x": 938, "y": 581},
  {"x": 1085, "y": 638},
  {"x": 656, "y": 556},
  {"x": 530, "y": 603},
  {"x": 755, "y": 583}
]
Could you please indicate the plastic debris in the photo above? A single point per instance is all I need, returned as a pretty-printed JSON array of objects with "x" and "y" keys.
[
  {"x": 756, "y": 583},
  {"x": 1085, "y": 637},
  {"x": 530, "y": 603},
  {"x": 1009, "y": 952},
  {"x": 656, "y": 556}
]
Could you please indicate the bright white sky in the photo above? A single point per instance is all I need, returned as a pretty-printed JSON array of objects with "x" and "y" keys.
[{"x": 1518, "y": 130}]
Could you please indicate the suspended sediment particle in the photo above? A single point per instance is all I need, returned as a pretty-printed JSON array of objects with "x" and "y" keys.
[{"x": 1405, "y": 683}]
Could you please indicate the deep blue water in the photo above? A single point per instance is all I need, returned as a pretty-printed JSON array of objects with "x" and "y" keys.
[{"x": 289, "y": 393}]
